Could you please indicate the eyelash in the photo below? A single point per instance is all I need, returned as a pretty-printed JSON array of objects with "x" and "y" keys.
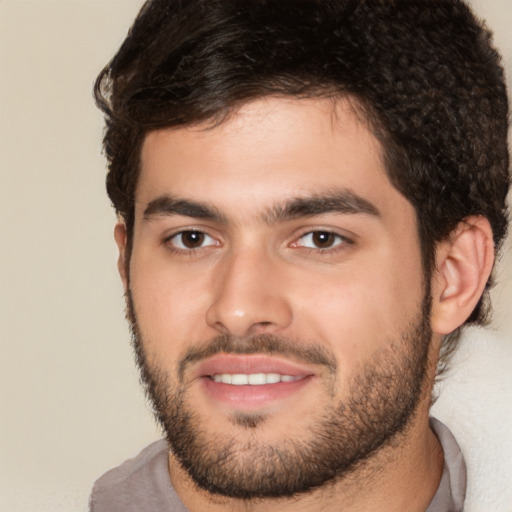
[{"x": 339, "y": 243}]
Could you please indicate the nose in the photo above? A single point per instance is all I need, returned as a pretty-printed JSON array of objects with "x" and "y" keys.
[{"x": 249, "y": 296}]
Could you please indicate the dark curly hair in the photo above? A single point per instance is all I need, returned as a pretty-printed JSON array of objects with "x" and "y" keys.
[{"x": 423, "y": 72}]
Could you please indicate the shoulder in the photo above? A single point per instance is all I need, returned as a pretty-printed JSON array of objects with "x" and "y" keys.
[{"x": 134, "y": 483}]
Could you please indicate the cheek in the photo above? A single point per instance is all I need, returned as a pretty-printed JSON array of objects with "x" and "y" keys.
[
  {"x": 170, "y": 305},
  {"x": 359, "y": 310}
]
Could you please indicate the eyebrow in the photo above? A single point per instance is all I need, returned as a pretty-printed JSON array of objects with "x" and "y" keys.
[
  {"x": 167, "y": 206},
  {"x": 343, "y": 201}
]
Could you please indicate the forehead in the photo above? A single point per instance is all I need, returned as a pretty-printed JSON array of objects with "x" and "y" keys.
[{"x": 270, "y": 150}]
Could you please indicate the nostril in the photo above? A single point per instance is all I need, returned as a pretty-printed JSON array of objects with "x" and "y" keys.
[{"x": 261, "y": 327}]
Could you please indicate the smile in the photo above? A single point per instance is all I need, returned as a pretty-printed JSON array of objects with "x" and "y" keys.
[
  {"x": 251, "y": 382},
  {"x": 253, "y": 379}
]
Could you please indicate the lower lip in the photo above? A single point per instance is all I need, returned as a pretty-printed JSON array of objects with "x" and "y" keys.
[{"x": 252, "y": 397}]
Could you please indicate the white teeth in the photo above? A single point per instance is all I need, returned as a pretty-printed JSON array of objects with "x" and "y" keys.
[
  {"x": 273, "y": 378},
  {"x": 239, "y": 379},
  {"x": 254, "y": 379},
  {"x": 226, "y": 378}
]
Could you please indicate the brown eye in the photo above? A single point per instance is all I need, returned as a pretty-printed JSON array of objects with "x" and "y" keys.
[
  {"x": 191, "y": 240},
  {"x": 323, "y": 239}
]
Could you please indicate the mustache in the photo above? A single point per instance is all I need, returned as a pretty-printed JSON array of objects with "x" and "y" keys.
[{"x": 268, "y": 344}]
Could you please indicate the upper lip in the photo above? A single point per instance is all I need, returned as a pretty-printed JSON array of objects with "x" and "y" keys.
[{"x": 249, "y": 364}]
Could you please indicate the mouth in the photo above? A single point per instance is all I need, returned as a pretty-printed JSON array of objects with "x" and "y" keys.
[{"x": 250, "y": 382}]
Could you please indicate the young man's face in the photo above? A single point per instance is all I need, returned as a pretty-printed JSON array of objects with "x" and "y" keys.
[{"x": 277, "y": 296}]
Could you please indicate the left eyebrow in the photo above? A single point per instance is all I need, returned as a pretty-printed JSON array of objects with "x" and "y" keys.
[{"x": 344, "y": 201}]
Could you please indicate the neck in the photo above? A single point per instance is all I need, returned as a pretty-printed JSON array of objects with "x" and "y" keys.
[{"x": 401, "y": 477}]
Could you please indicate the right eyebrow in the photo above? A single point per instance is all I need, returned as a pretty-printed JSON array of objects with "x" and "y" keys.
[{"x": 165, "y": 205}]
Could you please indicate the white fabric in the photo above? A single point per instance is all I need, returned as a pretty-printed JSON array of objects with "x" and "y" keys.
[{"x": 475, "y": 402}]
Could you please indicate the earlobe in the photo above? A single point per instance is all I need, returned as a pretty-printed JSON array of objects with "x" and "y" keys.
[
  {"x": 120, "y": 238},
  {"x": 463, "y": 265}
]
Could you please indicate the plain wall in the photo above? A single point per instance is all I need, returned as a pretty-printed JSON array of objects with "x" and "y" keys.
[{"x": 70, "y": 402}]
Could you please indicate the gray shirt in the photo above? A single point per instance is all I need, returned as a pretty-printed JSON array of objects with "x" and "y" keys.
[
  {"x": 452, "y": 488},
  {"x": 142, "y": 484}
]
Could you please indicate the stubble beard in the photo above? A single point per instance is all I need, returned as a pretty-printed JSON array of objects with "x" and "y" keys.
[{"x": 381, "y": 403}]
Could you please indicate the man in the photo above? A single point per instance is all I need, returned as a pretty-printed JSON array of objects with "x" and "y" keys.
[{"x": 310, "y": 196}]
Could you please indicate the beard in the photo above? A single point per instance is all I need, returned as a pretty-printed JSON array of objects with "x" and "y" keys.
[{"x": 380, "y": 404}]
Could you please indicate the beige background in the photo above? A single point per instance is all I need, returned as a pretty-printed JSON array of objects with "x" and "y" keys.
[{"x": 69, "y": 396}]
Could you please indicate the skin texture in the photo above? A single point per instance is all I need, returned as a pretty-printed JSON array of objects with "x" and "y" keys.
[{"x": 357, "y": 295}]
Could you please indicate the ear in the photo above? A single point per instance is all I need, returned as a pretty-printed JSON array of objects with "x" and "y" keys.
[
  {"x": 120, "y": 238},
  {"x": 463, "y": 265}
]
